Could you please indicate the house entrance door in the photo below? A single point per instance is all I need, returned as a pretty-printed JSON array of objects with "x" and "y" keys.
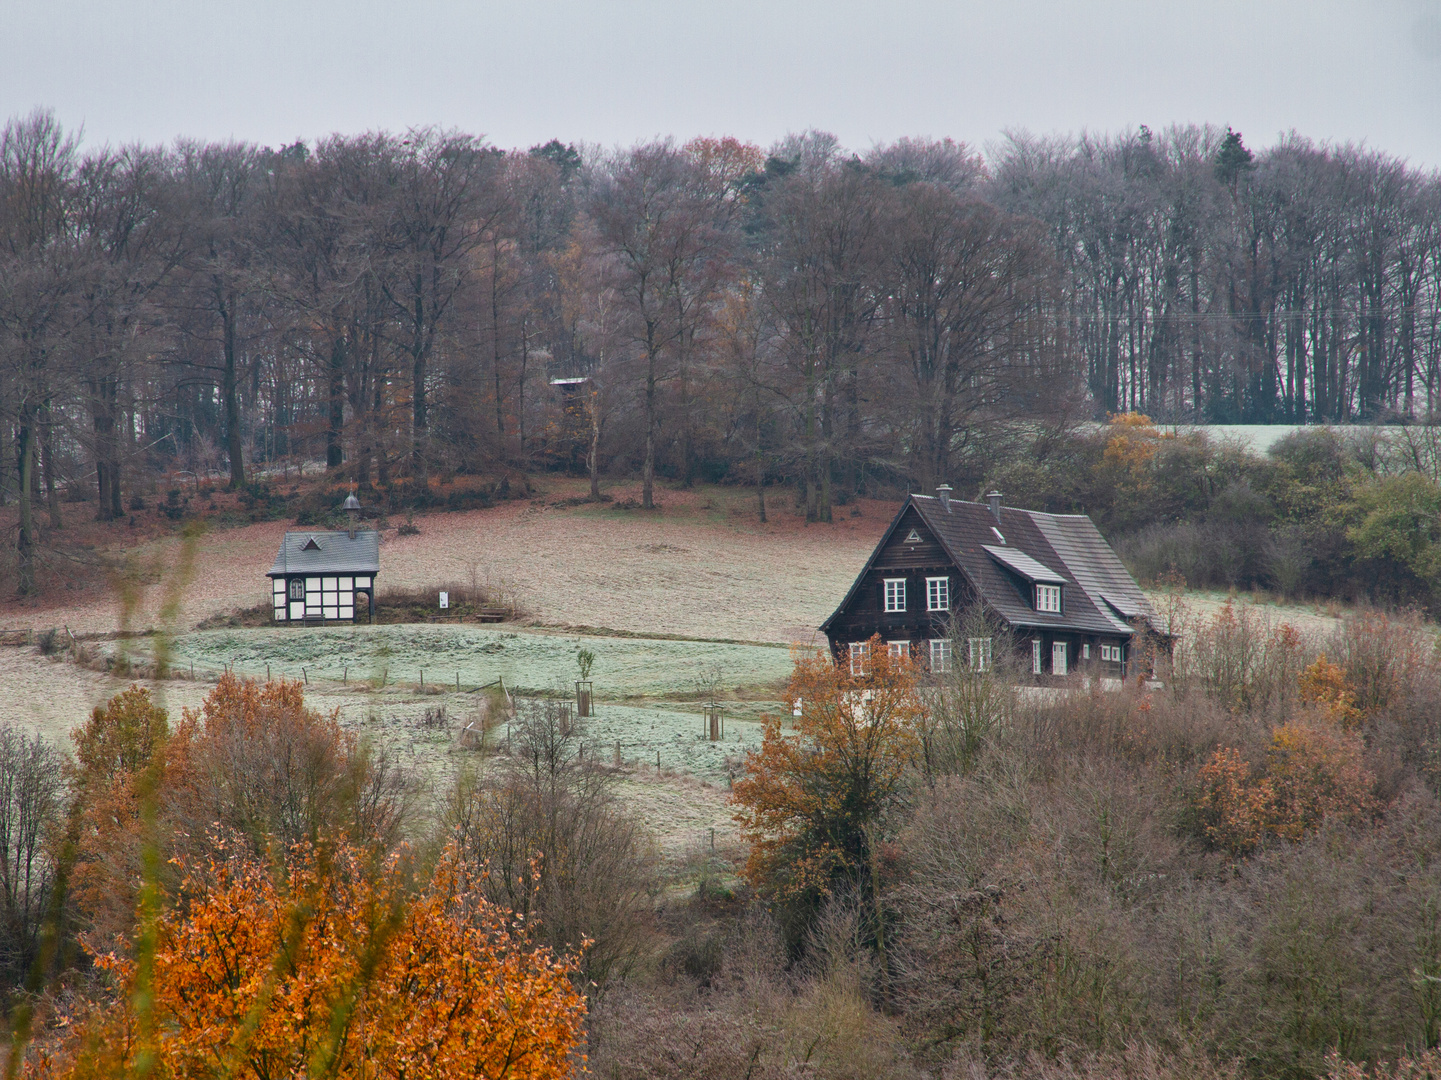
[{"x": 1058, "y": 658}]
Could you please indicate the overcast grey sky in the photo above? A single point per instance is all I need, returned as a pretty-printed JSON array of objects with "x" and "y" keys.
[{"x": 615, "y": 71}]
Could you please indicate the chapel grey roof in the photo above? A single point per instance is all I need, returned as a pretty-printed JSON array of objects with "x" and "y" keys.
[
  {"x": 334, "y": 553},
  {"x": 1100, "y": 594}
]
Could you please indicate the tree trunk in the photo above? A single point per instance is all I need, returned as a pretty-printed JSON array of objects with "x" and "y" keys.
[
  {"x": 760, "y": 484},
  {"x": 47, "y": 446},
  {"x": 25, "y": 544},
  {"x": 495, "y": 350},
  {"x": 520, "y": 390},
  {"x": 647, "y": 475},
  {"x": 231, "y": 398},
  {"x": 103, "y": 404},
  {"x": 419, "y": 417},
  {"x": 760, "y": 463},
  {"x": 334, "y": 450},
  {"x": 592, "y": 461}
]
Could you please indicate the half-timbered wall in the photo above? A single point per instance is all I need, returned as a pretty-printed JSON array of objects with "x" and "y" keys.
[{"x": 322, "y": 596}]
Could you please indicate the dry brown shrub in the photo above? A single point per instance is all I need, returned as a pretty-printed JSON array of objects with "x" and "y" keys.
[
  {"x": 1242, "y": 659},
  {"x": 1012, "y": 933},
  {"x": 1392, "y": 666},
  {"x": 559, "y": 848},
  {"x": 256, "y": 761},
  {"x": 1136, "y": 1061},
  {"x": 1134, "y": 724},
  {"x": 752, "y": 1019},
  {"x": 1388, "y": 661}
]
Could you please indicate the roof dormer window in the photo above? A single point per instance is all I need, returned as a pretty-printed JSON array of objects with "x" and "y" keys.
[
  {"x": 310, "y": 545},
  {"x": 1048, "y": 598}
]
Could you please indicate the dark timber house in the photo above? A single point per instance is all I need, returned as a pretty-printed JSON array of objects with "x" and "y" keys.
[{"x": 1050, "y": 578}]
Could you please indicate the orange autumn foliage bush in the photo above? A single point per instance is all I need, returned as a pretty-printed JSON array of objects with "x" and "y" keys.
[
  {"x": 253, "y": 759},
  {"x": 257, "y": 760},
  {"x": 118, "y": 769},
  {"x": 1314, "y": 771},
  {"x": 1233, "y": 808},
  {"x": 809, "y": 797},
  {"x": 1324, "y": 685},
  {"x": 332, "y": 971}
]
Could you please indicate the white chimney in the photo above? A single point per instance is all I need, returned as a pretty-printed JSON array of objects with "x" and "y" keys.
[
  {"x": 994, "y": 498},
  {"x": 944, "y": 494}
]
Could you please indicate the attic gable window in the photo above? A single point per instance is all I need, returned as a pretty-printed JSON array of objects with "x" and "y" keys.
[
  {"x": 1048, "y": 598},
  {"x": 310, "y": 545},
  {"x": 913, "y": 537},
  {"x": 895, "y": 594}
]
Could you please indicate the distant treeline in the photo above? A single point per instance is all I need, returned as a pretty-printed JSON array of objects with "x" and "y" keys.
[{"x": 417, "y": 306}]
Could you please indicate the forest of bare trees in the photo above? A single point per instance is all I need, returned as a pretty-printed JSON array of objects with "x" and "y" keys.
[{"x": 411, "y": 308}]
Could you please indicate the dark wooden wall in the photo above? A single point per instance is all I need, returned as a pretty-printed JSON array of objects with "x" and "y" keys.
[{"x": 865, "y": 613}]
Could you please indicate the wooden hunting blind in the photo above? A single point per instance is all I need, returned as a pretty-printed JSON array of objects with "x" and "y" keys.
[{"x": 325, "y": 576}]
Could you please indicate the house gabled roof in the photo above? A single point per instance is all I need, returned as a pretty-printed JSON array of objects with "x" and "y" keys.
[
  {"x": 322, "y": 552},
  {"x": 1003, "y": 560}
]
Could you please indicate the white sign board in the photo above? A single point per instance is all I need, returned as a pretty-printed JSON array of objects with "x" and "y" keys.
[{"x": 445, "y": 600}]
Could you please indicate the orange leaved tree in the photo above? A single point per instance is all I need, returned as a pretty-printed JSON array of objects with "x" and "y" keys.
[
  {"x": 332, "y": 971},
  {"x": 253, "y": 760},
  {"x": 115, "y": 783},
  {"x": 1314, "y": 771},
  {"x": 256, "y": 760},
  {"x": 1324, "y": 685},
  {"x": 813, "y": 797}
]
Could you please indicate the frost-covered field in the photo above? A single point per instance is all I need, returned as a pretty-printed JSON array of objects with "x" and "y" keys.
[{"x": 528, "y": 661}]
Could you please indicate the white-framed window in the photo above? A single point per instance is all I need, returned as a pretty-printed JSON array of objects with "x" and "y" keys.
[
  {"x": 1048, "y": 598},
  {"x": 938, "y": 594},
  {"x": 898, "y": 649},
  {"x": 297, "y": 588},
  {"x": 1086, "y": 651},
  {"x": 1035, "y": 656},
  {"x": 895, "y": 594},
  {"x": 859, "y": 651},
  {"x": 979, "y": 649},
  {"x": 1111, "y": 653},
  {"x": 1059, "y": 657},
  {"x": 940, "y": 655}
]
